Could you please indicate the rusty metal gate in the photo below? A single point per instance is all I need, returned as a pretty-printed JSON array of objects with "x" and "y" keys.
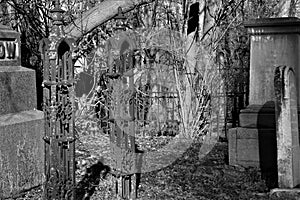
[{"x": 58, "y": 99}]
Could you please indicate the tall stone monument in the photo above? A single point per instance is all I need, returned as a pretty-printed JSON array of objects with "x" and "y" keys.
[
  {"x": 288, "y": 147},
  {"x": 274, "y": 42},
  {"x": 21, "y": 125}
]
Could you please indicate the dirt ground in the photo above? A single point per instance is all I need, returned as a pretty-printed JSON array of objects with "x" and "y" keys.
[{"x": 188, "y": 178}]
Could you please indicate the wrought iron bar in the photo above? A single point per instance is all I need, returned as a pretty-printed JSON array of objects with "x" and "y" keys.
[{"x": 59, "y": 112}]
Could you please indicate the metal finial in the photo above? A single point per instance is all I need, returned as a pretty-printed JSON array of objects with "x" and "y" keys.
[
  {"x": 120, "y": 19},
  {"x": 57, "y": 8},
  {"x": 57, "y": 4},
  {"x": 57, "y": 13},
  {"x": 120, "y": 14}
]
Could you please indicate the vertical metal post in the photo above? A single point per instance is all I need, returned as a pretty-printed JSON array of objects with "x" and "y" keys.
[{"x": 59, "y": 111}]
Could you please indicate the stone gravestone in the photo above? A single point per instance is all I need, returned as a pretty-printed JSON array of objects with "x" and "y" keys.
[
  {"x": 274, "y": 42},
  {"x": 288, "y": 148},
  {"x": 21, "y": 125}
]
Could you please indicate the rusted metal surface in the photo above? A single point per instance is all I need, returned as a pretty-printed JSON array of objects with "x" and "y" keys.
[{"x": 58, "y": 99}]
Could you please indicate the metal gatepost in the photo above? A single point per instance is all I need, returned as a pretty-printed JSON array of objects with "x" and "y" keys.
[
  {"x": 122, "y": 124},
  {"x": 58, "y": 101}
]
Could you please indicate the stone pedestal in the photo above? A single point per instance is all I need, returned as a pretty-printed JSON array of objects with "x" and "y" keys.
[
  {"x": 274, "y": 42},
  {"x": 17, "y": 89},
  {"x": 254, "y": 142},
  {"x": 21, "y": 125}
]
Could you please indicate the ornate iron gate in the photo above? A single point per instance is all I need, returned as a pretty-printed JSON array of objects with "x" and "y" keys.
[
  {"x": 138, "y": 98},
  {"x": 58, "y": 98}
]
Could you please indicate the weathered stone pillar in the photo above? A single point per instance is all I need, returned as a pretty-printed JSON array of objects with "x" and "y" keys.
[
  {"x": 21, "y": 125},
  {"x": 288, "y": 148},
  {"x": 274, "y": 42}
]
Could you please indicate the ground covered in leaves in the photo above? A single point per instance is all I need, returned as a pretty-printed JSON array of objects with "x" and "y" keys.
[{"x": 187, "y": 178}]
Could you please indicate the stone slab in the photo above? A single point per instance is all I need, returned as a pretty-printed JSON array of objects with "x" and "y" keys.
[
  {"x": 247, "y": 152},
  {"x": 21, "y": 151},
  {"x": 9, "y": 56},
  {"x": 17, "y": 89},
  {"x": 285, "y": 193},
  {"x": 258, "y": 116},
  {"x": 232, "y": 143},
  {"x": 273, "y": 22},
  {"x": 243, "y": 151},
  {"x": 288, "y": 149},
  {"x": 267, "y": 26},
  {"x": 257, "y": 120},
  {"x": 273, "y": 43},
  {"x": 252, "y": 147}
]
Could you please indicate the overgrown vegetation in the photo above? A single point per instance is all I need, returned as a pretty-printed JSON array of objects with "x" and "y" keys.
[
  {"x": 219, "y": 42},
  {"x": 221, "y": 31},
  {"x": 187, "y": 178},
  {"x": 33, "y": 20}
]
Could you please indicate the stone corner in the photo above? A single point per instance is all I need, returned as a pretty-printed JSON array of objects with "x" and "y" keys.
[{"x": 285, "y": 193}]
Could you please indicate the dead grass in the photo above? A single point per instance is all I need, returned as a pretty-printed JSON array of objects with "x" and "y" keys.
[{"x": 187, "y": 178}]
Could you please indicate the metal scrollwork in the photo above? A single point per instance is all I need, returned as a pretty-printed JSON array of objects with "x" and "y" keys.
[{"x": 58, "y": 109}]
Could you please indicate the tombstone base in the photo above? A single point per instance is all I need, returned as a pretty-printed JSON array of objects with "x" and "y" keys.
[
  {"x": 251, "y": 147},
  {"x": 253, "y": 144},
  {"x": 21, "y": 151},
  {"x": 17, "y": 89},
  {"x": 258, "y": 116},
  {"x": 285, "y": 193}
]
